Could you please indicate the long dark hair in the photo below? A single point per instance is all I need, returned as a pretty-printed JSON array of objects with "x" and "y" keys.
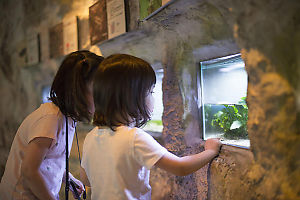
[
  {"x": 69, "y": 89},
  {"x": 120, "y": 86}
]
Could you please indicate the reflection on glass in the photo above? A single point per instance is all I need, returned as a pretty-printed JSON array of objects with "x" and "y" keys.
[
  {"x": 155, "y": 124},
  {"x": 224, "y": 91}
]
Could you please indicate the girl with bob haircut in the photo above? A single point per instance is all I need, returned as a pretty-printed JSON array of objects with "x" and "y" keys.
[
  {"x": 36, "y": 163},
  {"x": 117, "y": 154}
]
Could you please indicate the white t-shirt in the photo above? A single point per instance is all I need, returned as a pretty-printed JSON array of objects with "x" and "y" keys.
[
  {"x": 118, "y": 163},
  {"x": 47, "y": 121}
]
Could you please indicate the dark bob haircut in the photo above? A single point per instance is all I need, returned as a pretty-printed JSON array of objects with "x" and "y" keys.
[
  {"x": 120, "y": 87},
  {"x": 69, "y": 89}
]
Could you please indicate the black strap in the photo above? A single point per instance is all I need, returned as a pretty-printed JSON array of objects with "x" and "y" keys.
[
  {"x": 68, "y": 181},
  {"x": 67, "y": 161},
  {"x": 84, "y": 192}
]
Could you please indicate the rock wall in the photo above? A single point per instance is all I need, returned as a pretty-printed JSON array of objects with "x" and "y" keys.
[{"x": 267, "y": 34}]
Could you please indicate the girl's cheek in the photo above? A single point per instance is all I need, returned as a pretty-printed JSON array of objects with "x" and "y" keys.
[
  {"x": 90, "y": 99},
  {"x": 151, "y": 103}
]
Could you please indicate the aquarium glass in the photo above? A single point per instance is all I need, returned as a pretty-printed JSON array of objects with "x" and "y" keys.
[
  {"x": 223, "y": 104},
  {"x": 155, "y": 124}
]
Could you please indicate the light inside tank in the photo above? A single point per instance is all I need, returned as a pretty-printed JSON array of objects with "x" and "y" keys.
[{"x": 223, "y": 103}]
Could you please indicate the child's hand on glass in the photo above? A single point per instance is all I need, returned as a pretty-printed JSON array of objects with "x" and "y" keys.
[{"x": 213, "y": 144}]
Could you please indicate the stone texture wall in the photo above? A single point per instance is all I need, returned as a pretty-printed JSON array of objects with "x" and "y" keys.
[
  {"x": 267, "y": 34},
  {"x": 21, "y": 85}
]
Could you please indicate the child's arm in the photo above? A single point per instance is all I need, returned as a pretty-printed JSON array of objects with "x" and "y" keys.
[
  {"x": 84, "y": 177},
  {"x": 189, "y": 164},
  {"x": 34, "y": 155}
]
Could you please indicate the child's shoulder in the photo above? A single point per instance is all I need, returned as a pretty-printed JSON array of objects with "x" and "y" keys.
[
  {"x": 139, "y": 133},
  {"x": 122, "y": 131},
  {"x": 133, "y": 131},
  {"x": 95, "y": 130},
  {"x": 49, "y": 109}
]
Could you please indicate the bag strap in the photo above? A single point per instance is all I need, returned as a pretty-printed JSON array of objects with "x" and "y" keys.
[
  {"x": 68, "y": 181},
  {"x": 84, "y": 192},
  {"x": 67, "y": 161}
]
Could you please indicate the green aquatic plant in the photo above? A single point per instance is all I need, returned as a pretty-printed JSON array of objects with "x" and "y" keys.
[
  {"x": 232, "y": 120},
  {"x": 157, "y": 122}
]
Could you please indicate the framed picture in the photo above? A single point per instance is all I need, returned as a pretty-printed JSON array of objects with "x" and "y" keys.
[
  {"x": 33, "y": 48},
  {"x": 98, "y": 22},
  {"x": 70, "y": 35},
  {"x": 56, "y": 41},
  {"x": 44, "y": 43},
  {"x": 116, "y": 18}
]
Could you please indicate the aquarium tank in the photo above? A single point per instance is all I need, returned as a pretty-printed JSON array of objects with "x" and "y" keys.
[
  {"x": 223, "y": 88},
  {"x": 155, "y": 124}
]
